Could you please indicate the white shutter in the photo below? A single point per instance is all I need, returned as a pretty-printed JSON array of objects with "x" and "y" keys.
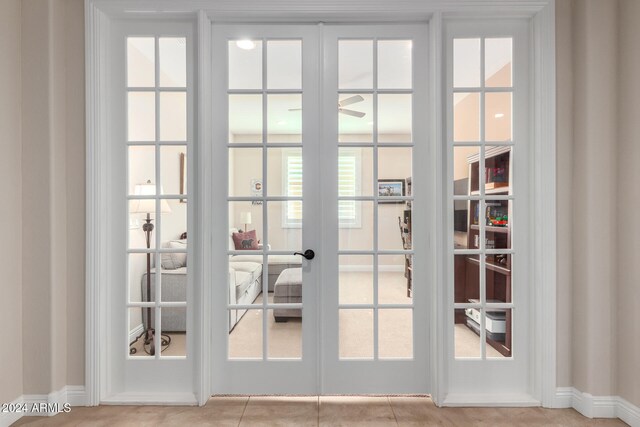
[
  {"x": 294, "y": 189},
  {"x": 347, "y": 187}
]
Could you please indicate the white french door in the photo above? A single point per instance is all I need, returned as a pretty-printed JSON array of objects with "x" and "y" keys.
[{"x": 318, "y": 134}]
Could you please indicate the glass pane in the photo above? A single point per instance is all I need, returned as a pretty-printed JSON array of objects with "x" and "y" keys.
[
  {"x": 142, "y": 165},
  {"x": 140, "y": 342},
  {"x": 173, "y": 116},
  {"x": 356, "y": 333},
  {"x": 284, "y": 118},
  {"x": 245, "y": 118},
  {"x": 138, "y": 276},
  {"x": 174, "y": 272},
  {"x": 461, "y": 225},
  {"x": 245, "y": 64},
  {"x": 466, "y": 278},
  {"x": 394, "y": 64},
  {"x": 466, "y": 117},
  {"x": 394, "y": 118},
  {"x": 245, "y": 278},
  {"x": 141, "y": 118},
  {"x": 465, "y": 170},
  {"x": 466, "y": 63},
  {"x": 284, "y": 172},
  {"x": 141, "y": 55},
  {"x": 356, "y": 225},
  {"x": 284, "y": 64},
  {"x": 245, "y": 334},
  {"x": 173, "y": 61},
  {"x": 394, "y": 279},
  {"x": 174, "y": 330},
  {"x": 173, "y": 169},
  {"x": 355, "y": 118},
  {"x": 498, "y": 326},
  {"x": 497, "y": 170},
  {"x": 245, "y": 172},
  {"x": 285, "y": 225},
  {"x": 285, "y": 333},
  {"x": 355, "y": 172},
  {"x": 174, "y": 224},
  {"x": 394, "y": 166},
  {"x": 395, "y": 333},
  {"x": 356, "y": 279},
  {"x": 355, "y": 64},
  {"x": 466, "y": 332},
  {"x": 497, "y": 62},
  {"x": 498, "y": 278},
  {"x": 497, "y": 220},
  {"x": 138, "y": 210},
  {"x": 497, "y": 116},
  {"x": 392, "y": 234},
  {"x": 245, "y": 226}
]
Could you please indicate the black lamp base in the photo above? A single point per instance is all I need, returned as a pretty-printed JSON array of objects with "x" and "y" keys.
[{"x": 149, "y": 342}]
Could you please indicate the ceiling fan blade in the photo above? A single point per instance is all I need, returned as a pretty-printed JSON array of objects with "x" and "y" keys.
[
  {"x": 351, "y": 100},
  {"x": 353, "y": 113},
  {"x": 294, "y": 109}
]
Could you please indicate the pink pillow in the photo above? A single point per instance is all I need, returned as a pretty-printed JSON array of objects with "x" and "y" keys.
[{"x": 245, "y": 241}]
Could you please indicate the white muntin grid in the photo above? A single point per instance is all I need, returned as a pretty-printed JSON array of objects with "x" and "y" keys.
[
  {"x": 482, "y": 196},
  {"x": 156, "y": 252},
  {"x": 375, "y": 252},
  {"x": 264, "y": 199}
]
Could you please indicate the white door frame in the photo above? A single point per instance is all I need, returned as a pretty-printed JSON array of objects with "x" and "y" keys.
[{"x": 99, "y": 15}]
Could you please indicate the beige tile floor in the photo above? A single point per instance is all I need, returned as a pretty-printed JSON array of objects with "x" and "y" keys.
[{"x": 316, "y": 411}]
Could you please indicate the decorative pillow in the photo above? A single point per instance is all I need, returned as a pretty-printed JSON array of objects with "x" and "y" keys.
[
  {"x": 175, "y": 260},
  {"x": 245, "y": 241}
]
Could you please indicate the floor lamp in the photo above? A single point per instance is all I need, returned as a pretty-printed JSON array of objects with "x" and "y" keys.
[{"x": 148, "y": 207}]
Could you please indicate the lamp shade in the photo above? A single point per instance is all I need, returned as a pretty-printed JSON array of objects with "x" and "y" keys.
[
  {"x": 148, "y": 206},
  {"x": 245, "y": 217}
]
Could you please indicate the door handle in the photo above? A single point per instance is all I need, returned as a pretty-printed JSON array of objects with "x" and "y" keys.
[{"x": 308, "y": 254}]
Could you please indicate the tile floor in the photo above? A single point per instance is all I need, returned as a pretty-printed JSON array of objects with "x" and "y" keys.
[{"x": 314, "y": 411}]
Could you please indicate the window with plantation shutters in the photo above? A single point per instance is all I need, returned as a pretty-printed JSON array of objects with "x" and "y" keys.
[{"x": 348, "y": 186}]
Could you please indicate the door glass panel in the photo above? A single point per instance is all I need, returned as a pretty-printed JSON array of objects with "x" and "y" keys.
[
  {"x": 465, "y": 171},
  {"x": 467, "y": 278},
  {"x": 356, "y": 333},
  {"x": 393, "y": 279},
  {"x": 174, "y": 331},
  {"x": 245, "y": 118},
  {"x": 394, "y": 64},
  {"x": 284, "y": 333},
  {"x": 142, "y": 165},
  {"x": 355, "y": 171},
  {"x": 141, "y": 117},
  {"x": 140, "y": 343},
  {"x": 173, "y": 61},
  {"x": 137, "y": 276},
  {"x": 245, "y": 64},
  {"x": 355, "y": 117},
  {"x": 141, "y": 53},
  {"x": 285, "y": 225},
  {"x": 497, "y": 110},
  {"x": 356, "y": 225},
  {"x": 497, "y": 224},
  {"x": 284, "y": 118},
  {"x": 355, "y": 64},
  {"x": 497, "y": 65},
  {"x": 284, "y": 171},
  {"x": 245, "y": 334},
  {"x": 245, "y": 172},
  {"x": 245, "y": 217},
  {"x": 173, "y": 116},
  {"x": 394, "y": 117},
  {"x": 392, "y": 235},
  {"x": 395, "y": 333},
  {"x": 498, "y": 332},
  {"x": 466, "y": 116},
  {"x": 466, "y": 62},
  {"x": 173, "y": 224},
  {"x": 284, "y": 64},
  {"x": 173, "y": 170},
  {"x": 356, "y": 279},
  {"x": 466, "y": 333},
  {"x": 498, "y": 278}
]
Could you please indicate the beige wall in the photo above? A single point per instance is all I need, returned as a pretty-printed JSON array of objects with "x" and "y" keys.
[
  {"x": 11, "y": 211},
  {"x": 628, "y": 205}
]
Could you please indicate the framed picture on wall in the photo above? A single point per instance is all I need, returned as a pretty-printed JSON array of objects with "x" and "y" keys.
[{"x": 391, "y": 188}]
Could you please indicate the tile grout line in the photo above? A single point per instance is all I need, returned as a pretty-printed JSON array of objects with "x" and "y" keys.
[
  {"x": 392, "y": 411},
  {"x": 243, "y": 411}
]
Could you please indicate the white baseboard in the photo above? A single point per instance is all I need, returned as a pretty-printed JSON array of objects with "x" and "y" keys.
[
  {"x": 166, "y": 399},
  {"x": 597, "y": 406},
  {"x": 8, "y": 418},
  {"x": 489, "y": 400}
]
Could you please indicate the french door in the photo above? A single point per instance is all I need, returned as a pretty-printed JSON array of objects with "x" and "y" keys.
[{"x": 320, "y": 270}]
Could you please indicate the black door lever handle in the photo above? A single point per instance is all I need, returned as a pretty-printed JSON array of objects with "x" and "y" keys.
[{"x": 308, "y": 254}]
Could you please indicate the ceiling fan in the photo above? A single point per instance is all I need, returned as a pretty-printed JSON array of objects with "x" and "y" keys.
[{"x": 348, "y": 101}]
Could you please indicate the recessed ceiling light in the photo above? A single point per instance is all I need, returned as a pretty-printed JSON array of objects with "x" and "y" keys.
[
  {"x": 282, "y": 122},
  {"x": 245, "y": 44},
  {"x": 499, "y": 115}
]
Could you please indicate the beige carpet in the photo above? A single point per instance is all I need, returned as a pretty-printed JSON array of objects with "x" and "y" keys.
[{"x": 355, "y": 326}]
